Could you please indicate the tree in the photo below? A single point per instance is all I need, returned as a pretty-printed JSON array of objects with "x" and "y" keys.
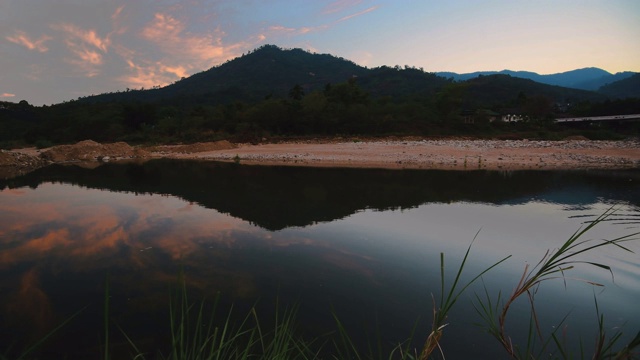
[
  {"x": 449, "y": 101},
  {"x": 348, "y": 93},
  {"x": 538, "y": 107},
  {"x": 296, "y": 93}
]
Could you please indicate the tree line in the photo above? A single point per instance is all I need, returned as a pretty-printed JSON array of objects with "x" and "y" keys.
[{"x": 337, "y": 109}]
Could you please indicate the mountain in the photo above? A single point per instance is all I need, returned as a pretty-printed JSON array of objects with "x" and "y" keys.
[
  {"x": 585, "y": 79},
  {"x": 265, "y": 72},
  {"x": 500, "y": 89},
  {"x": 625, "y": 88},
  {"x": 270, "y": 71},
  {"x": 282, "y": 92},
  {"x": 596, "y": 84}
]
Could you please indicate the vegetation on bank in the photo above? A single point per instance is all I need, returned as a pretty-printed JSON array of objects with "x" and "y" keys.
[
  {"x": 343, "y": 109},
  {"x": 196, "y": 334}
]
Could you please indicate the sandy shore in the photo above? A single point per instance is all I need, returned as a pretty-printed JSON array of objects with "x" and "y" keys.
[{"x": 431, "y": 154}]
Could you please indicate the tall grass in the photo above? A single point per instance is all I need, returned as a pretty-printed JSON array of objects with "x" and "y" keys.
[
  {"x": 554, "y": 264},
  {"x": 197, "y": 334},
  {"x": 441, "y": 311}
]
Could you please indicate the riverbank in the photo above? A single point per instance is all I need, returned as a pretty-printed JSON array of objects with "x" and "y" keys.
[
  {"x": 428, "y": 154},
  {"x": 392, "y": 153}
]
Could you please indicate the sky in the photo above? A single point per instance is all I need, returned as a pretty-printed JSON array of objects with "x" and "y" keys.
[{"x": 58, "y": 50}]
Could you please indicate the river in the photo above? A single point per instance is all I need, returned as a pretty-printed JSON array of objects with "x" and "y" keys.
[{"x": 361, "y": 244}]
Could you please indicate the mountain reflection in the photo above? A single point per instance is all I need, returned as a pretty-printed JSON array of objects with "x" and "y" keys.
[{"x": 279, "y": 197}]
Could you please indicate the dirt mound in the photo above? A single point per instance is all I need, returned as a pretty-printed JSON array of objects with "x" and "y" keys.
[
  {"x": 89, "y": 150},
  {"x": 195, "y": 148},
  {"x": 14, "y": 163}
]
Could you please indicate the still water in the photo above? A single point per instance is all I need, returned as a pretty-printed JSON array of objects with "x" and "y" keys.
[{"x": 364, "y": 244}]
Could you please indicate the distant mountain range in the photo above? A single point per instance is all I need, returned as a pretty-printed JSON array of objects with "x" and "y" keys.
[
  {"x": 591, "y": 79},
  {"x": 270, "y": 71}
]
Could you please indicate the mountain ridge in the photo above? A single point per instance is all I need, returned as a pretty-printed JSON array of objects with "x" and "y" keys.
[
  {"x": 270, "y": 71},
  {"x": 589, "y": 78}
]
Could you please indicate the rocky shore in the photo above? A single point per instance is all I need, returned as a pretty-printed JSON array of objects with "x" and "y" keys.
[{"x": 436, "y": 154}]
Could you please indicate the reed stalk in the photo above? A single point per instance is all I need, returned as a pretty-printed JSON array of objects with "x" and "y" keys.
[{"x": 553, "y": 265}]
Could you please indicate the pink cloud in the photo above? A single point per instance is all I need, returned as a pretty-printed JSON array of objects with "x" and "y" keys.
[
  {"x": 179, "y": 71},
  {"x": 21, "y": 38},
  {"x": 171, "y": 36},
  {"x": 89, "y": 37},
  {"x": 86, "y": 60},
  {"x": 185, "y": 52},
  {"x": 145, "y": 74},
  {"x": 116, "y": 14},
  {"x": 7, "y": 95},
  {"x": 358, "y": 13},
  {"x": 86, "y": 46}
]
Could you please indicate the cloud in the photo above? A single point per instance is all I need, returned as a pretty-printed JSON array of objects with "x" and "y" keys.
[
  {"x": 358, "y": 13},
  {"x": 340, "y": 5},
  {"x": 21, "y": 38},
  {"x": 362, "y": 57},
  {"x": 145, "y": 74},
  {"x": 87, "y": 46},
  {"x": 183, "y": 51},
  {"x": 7, "y": 95},
  {"x": 89, "y": 37},
  {"x": 179, "y": 71},
  {"x": 171, "y": 36},
  {"x": 116, "y": 14},
  {"x": 331, "y": 8},
  {"x": 87, "y": 56},
  {"x": 279, "y": 29}
]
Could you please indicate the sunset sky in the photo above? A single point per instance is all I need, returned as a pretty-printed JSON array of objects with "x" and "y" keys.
[{"x": 56, "y": 50}]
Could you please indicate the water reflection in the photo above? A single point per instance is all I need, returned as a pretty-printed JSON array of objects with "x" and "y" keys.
[
  {"x": 279, "y": 197},
  {"x": 365, "y": 242}
]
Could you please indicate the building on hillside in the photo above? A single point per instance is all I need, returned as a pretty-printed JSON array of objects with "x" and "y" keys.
[{"x": 513, "y": 115}]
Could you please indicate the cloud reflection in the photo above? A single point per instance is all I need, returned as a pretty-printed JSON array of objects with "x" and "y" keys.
[
  {"x": 32, "y": 305},
  {"x": 88, "y": 231}
]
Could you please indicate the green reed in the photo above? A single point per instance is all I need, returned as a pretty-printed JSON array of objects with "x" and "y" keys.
[{"x": 554, "y": 264}]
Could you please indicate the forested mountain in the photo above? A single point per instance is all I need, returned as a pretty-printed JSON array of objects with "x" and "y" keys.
[
  {"x": 277, "y": 92},
  {"x": 585, "y": 79},
  {"x": 496, "y": 90},
  {"x": 626, "y": 88},
  {"x": 269, "y": 71}
]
